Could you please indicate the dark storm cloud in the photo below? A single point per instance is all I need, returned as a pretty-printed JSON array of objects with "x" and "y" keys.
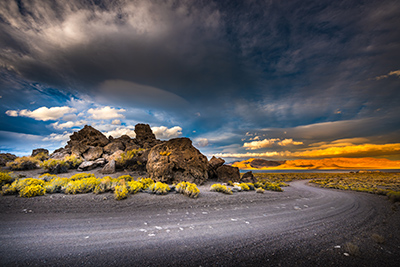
[{"x": 222, "y": 68}]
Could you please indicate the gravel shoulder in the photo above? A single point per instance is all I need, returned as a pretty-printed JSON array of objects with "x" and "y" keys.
[{"x": 301, "y": 226}]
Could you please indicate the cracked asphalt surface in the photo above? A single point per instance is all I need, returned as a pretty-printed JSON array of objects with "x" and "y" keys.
[{"x": 302, "y": 226}]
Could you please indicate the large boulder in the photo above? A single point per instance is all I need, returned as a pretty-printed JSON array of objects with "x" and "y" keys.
[
  {"x": 90, "y": 165},
  {"x": 177, "y": 160},
  {"x": 145, "y": 137},
  {"x": 60, "y": 153},
  {"x": 228, "y": 173},
  {"x": 113, "y": 147},
  {"x": 248, "y": 177},
  {"x": 93, "y": 153},
  {"x": 213, "y": 165},
  {"x": 109, "y": 168},
  {"x": 89, "y": 136}
]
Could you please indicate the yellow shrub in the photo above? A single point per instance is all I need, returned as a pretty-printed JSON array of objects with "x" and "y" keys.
[
  {"x": 165, "y": 153},
  {"x": 55, "y": 166},
  {"x": 5, "y": 178},
  {"x": 8, "y": 190},
  {"x": 188, "y": 189},
  {"x": 260, "y": 190},
  {"x": 83, "y": 175},
  {"x": 32, "y": 191},
  {"x": 55, "y": 185},
  {"x": 47, "y": 176},
  {"x": 23, "y": 163},
  {"x": 125, "y": 177},
  {"x": 221, "y": 188},
  {"x": 393, "y": 196},
  {"x": 134, "y": 186},
  {"x": 244, "y": 187},
  {"x": 121, "y": 192},
  {"x": 159, "y": 188},
  {"x": 146, "y": 182},
  {"x": 84, "y": 185},
  {"x": 127, "y": 158},
  {"x": 22, "y": 183},
  {"x": 73, "y": 161},
  {"x": 105, "y": 185},
  {"x": 41, "y": 156}
]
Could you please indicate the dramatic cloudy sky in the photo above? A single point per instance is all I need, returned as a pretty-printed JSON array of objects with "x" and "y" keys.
[{"x": 272, "y": 79}]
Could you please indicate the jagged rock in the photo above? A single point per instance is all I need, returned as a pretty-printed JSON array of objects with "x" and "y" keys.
[
  {"x": 116, "y": 155},
  {"x": 113, "y": 146},
  {"x": 60, "y": 153},
  {"x": 87, "y": 166},
  {"x": 109, "y": 168},
  {"x": 6, "y": 157},
  {"x": 228, "y": 173},
  {"x": 78, "y": 148},
  {"x": 93, "y": 153},
  {"x": 89, "y": 136},
  {"x": 100, "y": 161},
  {"x": 145, "y": 137},
  {"x": 177, "y": 160},
  {"x": 248, "y": 177},
  {"x": 213, "y": 165},
  {"x": 39, "y": 150}
]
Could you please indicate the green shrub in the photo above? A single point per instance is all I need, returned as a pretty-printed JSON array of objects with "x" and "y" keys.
[
  {"x": 5, "y": 178},
  {"x": 32, "y": 191},
  {"x": 134, "y": 186},
  {"x": 23, "y": 163},
  {"x": 188, "y": 189},
  {"x": 73, "y": 161},
  {"x": 121, "y": 192},
  {"x": 84, "y": 185},
  {"x": 82, "y": 175},
  {"x": 272, "y": 187},
  {"x": 159, "y": 188},
  {"x": 393, "y": 196},
  {"x": 56, "y": 184},
  {"x": 55, "y": 166},
  {"x": 221, "y": 188},
  {"x": 146, "y": 182}
]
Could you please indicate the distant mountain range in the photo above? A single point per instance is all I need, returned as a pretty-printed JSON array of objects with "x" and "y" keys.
[{"x": 317, "y": 164}]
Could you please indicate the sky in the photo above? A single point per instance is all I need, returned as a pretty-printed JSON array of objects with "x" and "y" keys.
[{"x": 270, "y": 79}]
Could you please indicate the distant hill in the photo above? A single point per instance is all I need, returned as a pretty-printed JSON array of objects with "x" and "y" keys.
[{"x": 318, "y": 164}]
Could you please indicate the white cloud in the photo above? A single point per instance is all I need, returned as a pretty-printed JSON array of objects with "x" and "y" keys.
[
  {"x": 287, "y": 142},
  {"x": 116, "y": 122},
  {"x": 105, "y": 113},
  {"x": 61, "y": 138},
  {"x": 12, "y": 113},
  {"x": 43, "y": 113},
  {"x": 201, "y": 142},
  {"x": 69, "y": 124},
  {"x": 163, "y": 132},
  {"x": 118, "y": 132},
  {"x": 260, "y": 144}
]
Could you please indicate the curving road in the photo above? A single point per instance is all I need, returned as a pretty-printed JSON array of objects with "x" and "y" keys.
[{"x": 302, "y": 226}]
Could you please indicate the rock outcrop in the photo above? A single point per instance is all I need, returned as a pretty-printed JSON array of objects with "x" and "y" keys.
[
  {"x": 177, "y": 160},
  {"x": 145, "y": 137},
  {"x": 213, "y": 165},
  {"x": 228, "y": 173},
  {"x": 38, "y": 151},
  {"x": 248, "y": 177},
  {"x": 6, "y": 157},
  {"x": 109, "y": 168}
]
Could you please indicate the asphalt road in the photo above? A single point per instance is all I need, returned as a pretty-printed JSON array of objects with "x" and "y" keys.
[{"x": 303, "y": 226}]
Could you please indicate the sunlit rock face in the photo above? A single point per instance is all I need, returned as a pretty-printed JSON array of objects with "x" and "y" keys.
[{"x": 177, "y": 160}]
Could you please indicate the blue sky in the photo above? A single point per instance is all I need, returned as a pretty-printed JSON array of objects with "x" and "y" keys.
[{"x": 270, "y": 79}]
